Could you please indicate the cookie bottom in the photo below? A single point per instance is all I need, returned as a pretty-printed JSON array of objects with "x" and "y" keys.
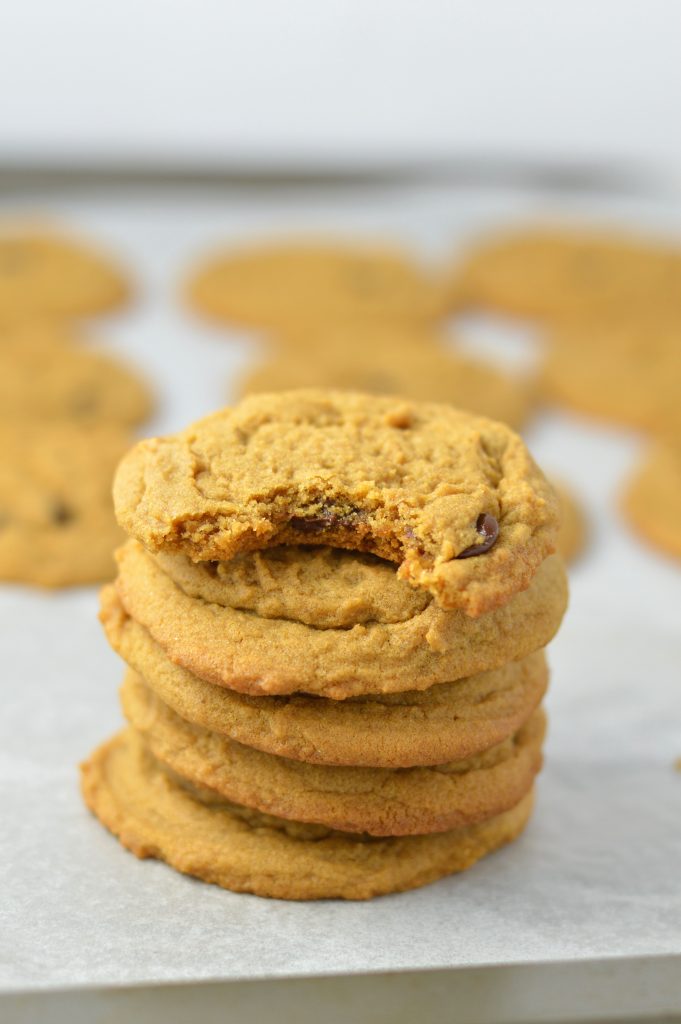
[{"x": 198, "y": 833}]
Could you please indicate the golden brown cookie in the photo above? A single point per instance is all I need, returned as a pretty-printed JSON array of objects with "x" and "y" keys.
[
  {"x": 378, "y": 801},
  {"x": 288, "y": 284},
  {"x": 43, "y": 375},
  {"x": 554, "y": 272},
  {"x": 323, "y": 587},
  {"x": 573, "y": 529},
  {"x": 154, "y": 815},
  {"x": 621, "y": 368},
  {"x": 456, "y": 500},
  {"x": 244, "y": 652},
  {"x": 57, "y": 526},
  {"x": 447, "y": 722},
  {"x": 652, "y": 500},
  {"x": 45, "y": 274},
  {"x": 394, "y": 361}
]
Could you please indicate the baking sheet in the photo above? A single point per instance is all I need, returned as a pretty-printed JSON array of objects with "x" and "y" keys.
[{"x": 598, "y": 872}]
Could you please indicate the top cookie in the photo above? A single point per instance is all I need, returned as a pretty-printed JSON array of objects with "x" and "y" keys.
[
  {"x": 553, "y": 272},
  {"x": 44, "y": 274},
  {"x": 455, "y": 499},
  {"x": 44, "y": 376},
  {"x": 285, "y": 284}
]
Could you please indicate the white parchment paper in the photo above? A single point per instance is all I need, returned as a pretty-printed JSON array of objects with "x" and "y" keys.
[{"x": 598, "y": 872}]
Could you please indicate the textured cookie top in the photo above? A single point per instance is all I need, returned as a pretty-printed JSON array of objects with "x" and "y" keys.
[
  {"x": 45, "y": 273},
  {"x": 558, "y": 270},
  {"x": 311, "y": 281},
  {"x": 384, "y": 360},
  {"x": 457, "y": 501},
  {"x": 44, "y": 375}
]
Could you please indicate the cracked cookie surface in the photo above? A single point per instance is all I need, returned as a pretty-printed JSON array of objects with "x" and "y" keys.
[
  {"x": 447, "y": 722},
  {"x": 423, "y": 485},
  {"x": 197, "y": 833}
]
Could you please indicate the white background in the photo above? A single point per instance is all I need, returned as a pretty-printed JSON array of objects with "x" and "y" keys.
[{"x": 221, "y": 83}]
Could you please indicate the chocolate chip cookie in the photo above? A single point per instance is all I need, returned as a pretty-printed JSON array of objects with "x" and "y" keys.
[{"x": 455, "y": 500}]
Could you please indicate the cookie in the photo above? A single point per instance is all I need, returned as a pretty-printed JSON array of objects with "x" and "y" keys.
[
  {"x": 57, "y": 526},
  {"x": 234, "y": 648},
  {"x": 651, "y": 502},
  {"x": 554, "y": 272},
  {"x": 573, "y": 529},
  {"x": 43, "y": 375},
  {"x": 447, "y": 722},
  {"x": 44, "y": 274},
  {"x": 621, "y": 369},
  {"x": 378, "y": 801},
  {"x": 287, "y": 284},
  {"x": 328, "y": 588},
  {"x": 395, "y": 361},
  {"x": 154, "y": 815},
  {"x": 455, "y": 499}
]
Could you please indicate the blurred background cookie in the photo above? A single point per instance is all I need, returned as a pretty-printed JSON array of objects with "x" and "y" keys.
[
  {"x": 57, "y": 526},
  {"x": 413, "y": 362},
  {"x": 45, "y": 273},
  {"x": 651, "y": 502},
  {"x": 626, "y": 369},
  {"x": 46, "y": 374},
  {"x": 306, "y": 281},
  {"x": 557, "y": 271}
]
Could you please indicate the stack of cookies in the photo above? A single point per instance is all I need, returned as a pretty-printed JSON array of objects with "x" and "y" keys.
[{"x": 333, "y": 608}]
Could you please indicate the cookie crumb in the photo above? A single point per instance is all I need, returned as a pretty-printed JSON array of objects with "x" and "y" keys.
[{"x": 402, "y": 417}]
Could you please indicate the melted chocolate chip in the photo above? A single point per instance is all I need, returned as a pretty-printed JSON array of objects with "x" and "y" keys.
[
  {"x": 488, "y": 528},
  {"x": 326, "y": 519},
  {"x": 313, "y": 524},
  {"x": 60, "y": 513}
]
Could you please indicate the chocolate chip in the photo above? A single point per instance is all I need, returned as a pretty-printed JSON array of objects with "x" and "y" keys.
[
  {"x": 313, "y": 524},
  {"x": 327, "y": 519},
  {"x": 60, "y": 513},
  {"x": 488, "y": 528}
]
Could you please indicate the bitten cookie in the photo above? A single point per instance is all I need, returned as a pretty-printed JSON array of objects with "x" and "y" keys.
[
  {"x": 652, "y": 499},
  {"x": 456, "y": 500},
  {"x": 57, "y": 525},
  {"x": 44, "y": 375},
  {"x": 394, "y": 361},
  {"x": 282, "y": 285},
  {"x": 44, "y": 274},
  {"x": 200, "y": 834},
  {"x": 554, "y": 272}
]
